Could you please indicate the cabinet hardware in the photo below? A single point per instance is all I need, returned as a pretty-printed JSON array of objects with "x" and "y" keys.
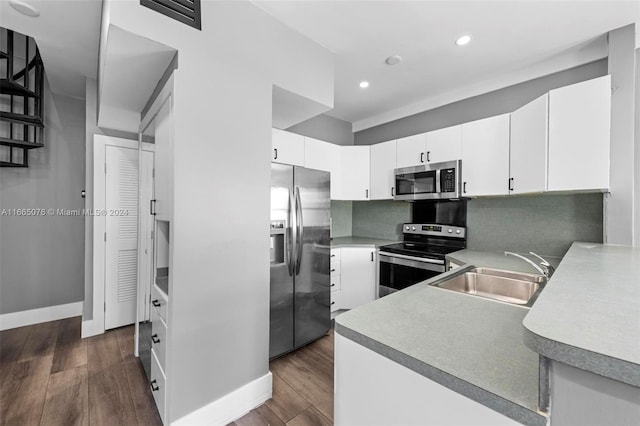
[
  {"x": 333, "y": 270},
  {"x": 155, "y": 339},
  {"x": 464, "y": 187},
  {"x": 510, "y": 184},
  {"x": 156, "y": 303},
  {"x": 333, "y": 285},
  {"x": 154, "y": 386},
  {"x": 366, "y": 193},
  {"x": 428, "y": 156},
  {"x": 333, "y": 255},
  {"x": 372, "y": 256},
  {"x": 422, "y": 157},
  {"x": 392, "y": 191},
  {"x": 275, "y": 153},
  {"x": 333, "y": 303},
  {"x": 152, "y": 207}
]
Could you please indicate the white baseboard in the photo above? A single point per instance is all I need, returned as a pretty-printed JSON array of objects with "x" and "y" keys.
[
  {"x": 36, "y": 316},
  {"x": 232, "y": 406},
  {"x": 88, "y": 329}
]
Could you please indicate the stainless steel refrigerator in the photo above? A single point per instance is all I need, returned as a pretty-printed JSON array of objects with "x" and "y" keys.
[{"x": 300, "y": 257}]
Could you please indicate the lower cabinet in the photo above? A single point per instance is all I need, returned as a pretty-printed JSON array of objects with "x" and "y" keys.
[
  {"x": 158, "y": 376},
  {"x": 158, "y": 382},
  {"x": 357, "y": 276}
]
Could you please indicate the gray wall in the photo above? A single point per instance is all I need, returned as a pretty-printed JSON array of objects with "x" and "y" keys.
[
  {"x": 380, "y": 219},
  {"x": 42, "y": 258},
  {"x": 545, "y": 224},
  {"x": 498, "y": 102},
  {"x": 341, "y": 218},
  {"x": 325, "y": 128}
]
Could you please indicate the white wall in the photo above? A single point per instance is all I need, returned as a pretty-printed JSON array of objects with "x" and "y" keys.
[
  {"x": 42, "y": 256},
  {"x": 219, "y": 307}
]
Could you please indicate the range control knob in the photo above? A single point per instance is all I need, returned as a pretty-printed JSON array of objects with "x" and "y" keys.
[
  {"x": 457, "y": 231},
  {"x": 406, "y": 228},
  {"x": 450, "y": 230},
  {"x": 413, "y": 228}
]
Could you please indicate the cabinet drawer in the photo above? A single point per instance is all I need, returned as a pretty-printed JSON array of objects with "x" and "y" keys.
[
  {"x": 158, "y": 338},
  {"x": 157, "y": 384},
  {"x": 335, "y": 283},
  {"x": 336, "y": 298},
  {"x": 335, "y": 268},
  {"x": 159, "y": 302}
]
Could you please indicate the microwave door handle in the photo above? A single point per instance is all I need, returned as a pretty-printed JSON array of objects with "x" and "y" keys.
[
  {"x": 438, "y": 188},
  {"x": 299, "y": 231}
]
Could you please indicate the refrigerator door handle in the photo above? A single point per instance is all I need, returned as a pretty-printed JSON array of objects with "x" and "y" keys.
[
  {"x": 291, "y": 236},
  {"x": 299, "y": 231}
]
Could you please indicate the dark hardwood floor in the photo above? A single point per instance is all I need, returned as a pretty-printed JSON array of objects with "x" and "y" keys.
[
  {"x": 302, "y": 389},
  {"x": 49, "y": 376}
]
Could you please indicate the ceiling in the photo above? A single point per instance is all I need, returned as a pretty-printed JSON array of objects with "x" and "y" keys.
[
  {"x": 67, "y": 33},
  {"x": 512, "y": 41}
]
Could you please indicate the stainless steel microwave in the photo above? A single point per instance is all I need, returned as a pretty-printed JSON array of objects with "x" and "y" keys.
[{"x": 431, "y": 181}]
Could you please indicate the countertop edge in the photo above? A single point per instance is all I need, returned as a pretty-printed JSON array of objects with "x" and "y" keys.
[
  {"x": 488, "y": 399},
  {"x": 604, "y": 365}
]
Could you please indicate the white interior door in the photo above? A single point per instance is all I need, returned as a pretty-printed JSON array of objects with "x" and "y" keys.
[{"x": 121, "y": 246}]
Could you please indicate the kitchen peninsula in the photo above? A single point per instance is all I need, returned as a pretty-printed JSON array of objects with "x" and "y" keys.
[{"x": 425, "y": 350}]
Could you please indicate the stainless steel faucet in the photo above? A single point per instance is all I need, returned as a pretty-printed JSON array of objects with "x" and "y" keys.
[
  {"x": 529, "y": 261},
  {"x": 545, "y": 265}
]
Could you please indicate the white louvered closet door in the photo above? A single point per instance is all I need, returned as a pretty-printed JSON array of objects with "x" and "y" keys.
[{"x": 121, "y": 251}]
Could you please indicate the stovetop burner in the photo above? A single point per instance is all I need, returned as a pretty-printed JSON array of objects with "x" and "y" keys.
[{"x": 431, "y": 241}]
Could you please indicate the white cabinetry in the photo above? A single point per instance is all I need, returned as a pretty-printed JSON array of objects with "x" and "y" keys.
[
  {"x": 383, "y": 163},
  {"x": 528, "y": 154},
  {"x": 163, "y": 180},
  {"x": 335, "y": 281},
  {"x": 410, "y": 151},
  {"x": 287, "y": 148},
  {"x": 579, "y": 134},
  {"x": 158, "y": 379},
  {"x": 444, "y": 145},
  {"x": 355, "y": 172},
  {"x": 325, "y": 156},
  {"x": 485, "y": 156},
  {"x": 358, "y": 276}
]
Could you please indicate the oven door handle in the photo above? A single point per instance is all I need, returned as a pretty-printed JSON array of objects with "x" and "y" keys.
[{"x": 421, "y": 263}]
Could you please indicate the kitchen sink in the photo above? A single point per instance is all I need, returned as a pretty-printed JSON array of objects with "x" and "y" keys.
[{"x": 505, "y": 286}]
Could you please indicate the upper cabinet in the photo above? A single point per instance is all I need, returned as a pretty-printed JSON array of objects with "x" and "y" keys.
[
  {"x": 355, "y": 173},
  {"x": 162, "y": 125},
  {"x": 325, "y": 156},
  {"x": 411, "y": 151},
  {"x": 579, "y": 135},
  {"x": 528, "y": 154},
  {"x": 382, "y": 164},
  {"x": 485, "y": 156},
  {"x": 287, "y": 148},
  {"x": 444, "y": 145}
]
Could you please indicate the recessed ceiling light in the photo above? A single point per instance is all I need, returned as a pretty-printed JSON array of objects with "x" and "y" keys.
[
  {"x": 364, "y": 84},
  {"x": 465, "y": 39},
  {"x": 24, "y": 8},
  {"x": 393, "y": 60}
]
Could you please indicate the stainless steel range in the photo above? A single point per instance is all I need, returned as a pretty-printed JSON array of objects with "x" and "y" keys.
[{"x": 419, "y": 257}]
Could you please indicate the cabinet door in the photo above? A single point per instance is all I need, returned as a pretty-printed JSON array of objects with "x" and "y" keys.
[
  {"x": 358, "y": 276},
  {"x": 528, "y": 153},
  {"x": 287, "y": 148},
  {"x": 410, "y": 151},
  {"x": 325, "y": 156},
  {"x": 485, "y": 156},
  {"x": 163, "y": 181},
  {"x": 444, "y": 145},
  {"x": 579, "y": 133},
  {"x": 383, "y": 164},
  {"x": 355, "y": 172}
]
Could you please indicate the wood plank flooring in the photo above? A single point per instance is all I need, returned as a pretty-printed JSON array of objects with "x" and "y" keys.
[
  {"x": 50, "y": 376},
  {"x": 302, "y": 389}
]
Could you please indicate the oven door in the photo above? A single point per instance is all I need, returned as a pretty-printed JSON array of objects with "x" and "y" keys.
[{"x": 397, "y": 271}]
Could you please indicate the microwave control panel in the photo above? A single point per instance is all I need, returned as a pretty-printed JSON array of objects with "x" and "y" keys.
[{"x": 448, "y": 180}]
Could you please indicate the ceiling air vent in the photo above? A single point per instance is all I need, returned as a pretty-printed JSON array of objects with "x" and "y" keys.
[{"x": 185, "y": 11}]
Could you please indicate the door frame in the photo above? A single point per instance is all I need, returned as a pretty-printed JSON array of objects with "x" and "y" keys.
[{"x": 99, "y": 222}]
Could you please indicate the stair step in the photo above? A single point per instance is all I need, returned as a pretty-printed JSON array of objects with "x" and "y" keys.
[
  {"x": 9, "y": 87},
  {"x": 19, "y": 143},
  {"x": 21, "y": 119}
]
